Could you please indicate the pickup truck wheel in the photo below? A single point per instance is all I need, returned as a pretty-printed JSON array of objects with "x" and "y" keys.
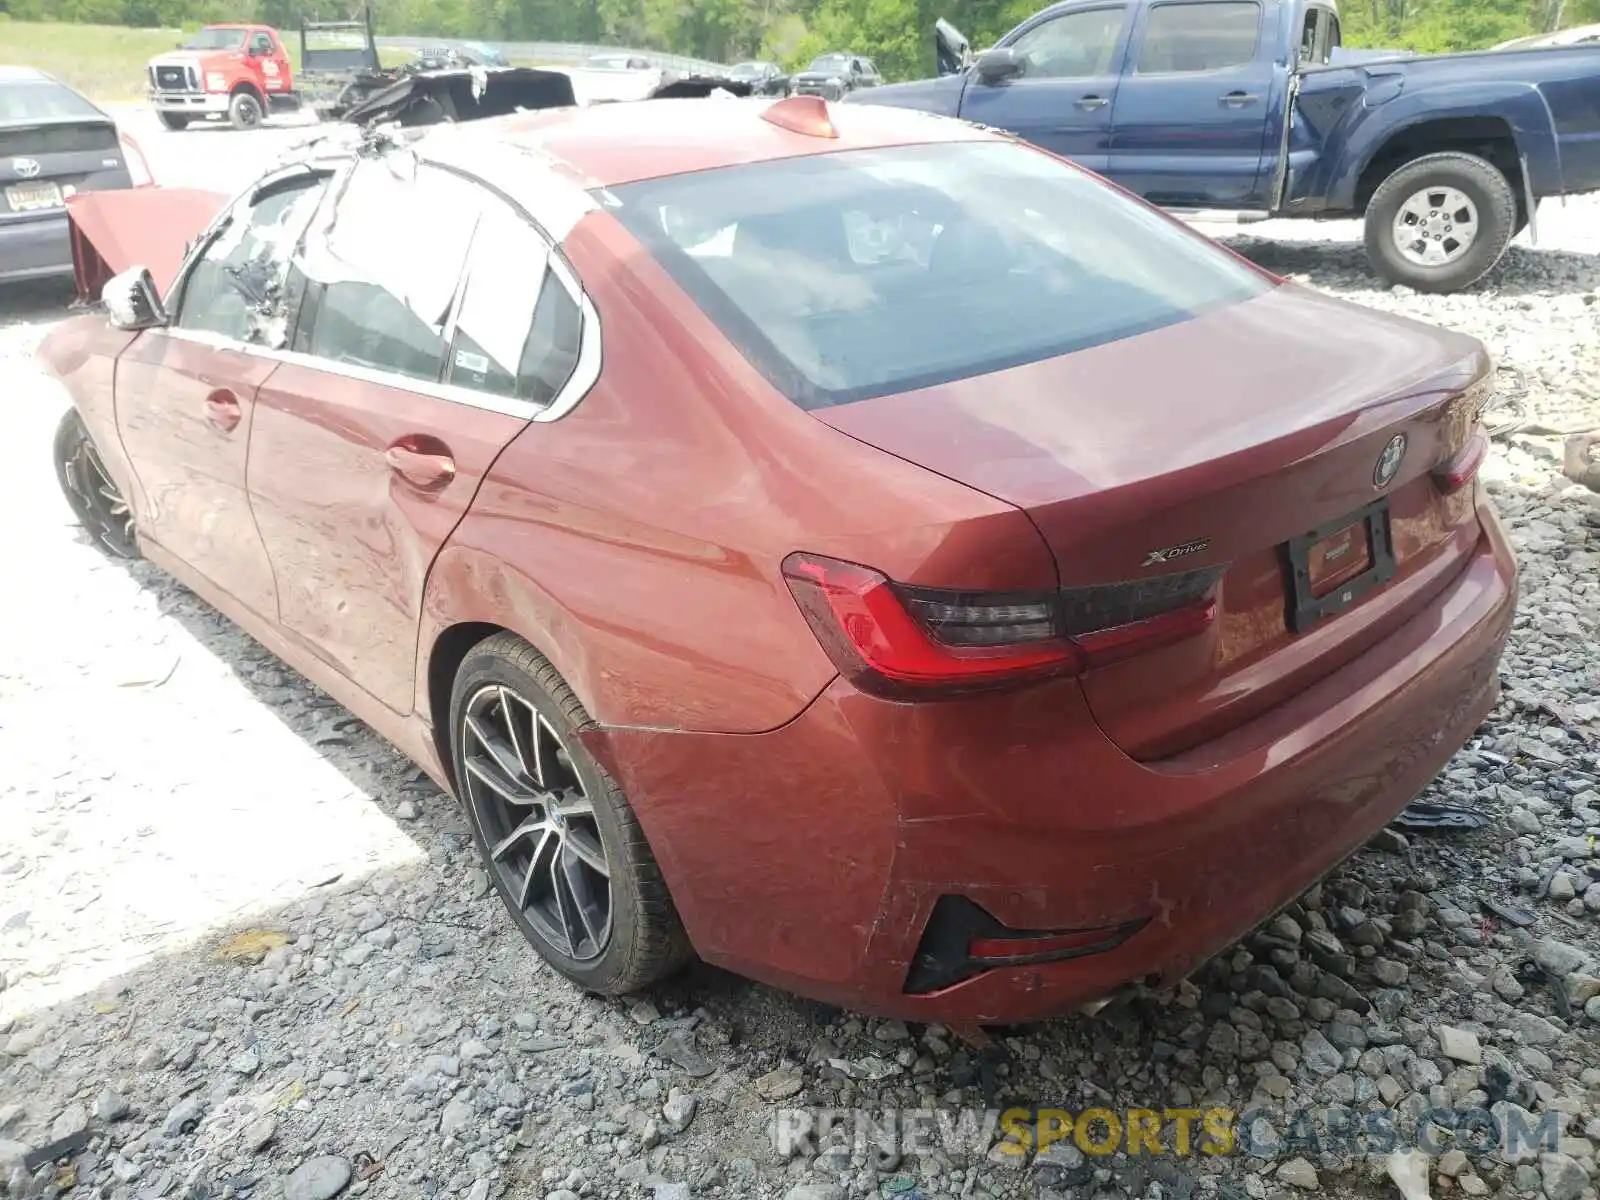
[
  {"x": 1440, "y": 222},
  {"x": 244, "y": 111},
  {"x": 174, "y": 121}
]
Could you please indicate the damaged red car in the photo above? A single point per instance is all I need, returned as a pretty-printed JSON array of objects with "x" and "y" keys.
[{"x": 854, "y": 547}]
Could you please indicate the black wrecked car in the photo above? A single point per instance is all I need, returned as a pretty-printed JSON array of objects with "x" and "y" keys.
[
  {"x": 764, "y": 78},
  {"x": 833, "y": 76}
]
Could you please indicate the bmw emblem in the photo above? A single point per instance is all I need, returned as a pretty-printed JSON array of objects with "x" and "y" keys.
[
  {"x": 1388, "y": 464},
  {"x": 26, "y": 168}
]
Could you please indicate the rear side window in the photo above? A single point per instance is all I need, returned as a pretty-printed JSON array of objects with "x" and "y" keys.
[
  {"x": 517, "y": 332},
  {"x": 42, "y": 100},
  {"x": 382, "y": 278},
  {"x": 855, "y": 274},
  {"x": 1198, "y": 37}
]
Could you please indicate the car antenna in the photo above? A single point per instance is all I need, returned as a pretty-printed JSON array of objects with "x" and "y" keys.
[{"x": 802, "y": 114}]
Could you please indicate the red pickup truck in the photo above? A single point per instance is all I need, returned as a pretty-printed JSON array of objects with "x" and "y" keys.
[{"x": 240, "y": 72}]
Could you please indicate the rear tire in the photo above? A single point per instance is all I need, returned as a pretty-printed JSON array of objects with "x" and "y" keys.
[
  {"x": 1411, "y": 237},
  {"x": 176, "y": 122},
  {"x": 244, "y": 111},
  {"x": 90, "y": 491},
  {"x": 535, "y": 794}
]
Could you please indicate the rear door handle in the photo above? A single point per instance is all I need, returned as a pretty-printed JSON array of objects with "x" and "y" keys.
[
  {"x": 1240, "y": 99},
  {"x": 422, "y": 461},
  {"x": 1092, "y": 102},
  {"x": 223, "y": 412}
]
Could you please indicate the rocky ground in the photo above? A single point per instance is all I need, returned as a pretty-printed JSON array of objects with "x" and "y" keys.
[{"x": 246, "y": 951}]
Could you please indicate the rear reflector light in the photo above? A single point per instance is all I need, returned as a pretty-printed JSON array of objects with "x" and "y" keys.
[
  {"x": 133, "y": 158},
  {"x": 898, "y": 640},
  {"x": 1460, "y": 470},
  {"x": 1024, "y": 948}
]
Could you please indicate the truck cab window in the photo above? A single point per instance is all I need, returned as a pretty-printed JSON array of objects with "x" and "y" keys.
[
  {"x": 1204, "y": 36},
  {"x": 1075, "y": 45}
]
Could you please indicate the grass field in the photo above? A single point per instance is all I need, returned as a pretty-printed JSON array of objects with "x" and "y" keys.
[
  {"x": 104, "y": 62},
  {"x": 107, "y": 62}
]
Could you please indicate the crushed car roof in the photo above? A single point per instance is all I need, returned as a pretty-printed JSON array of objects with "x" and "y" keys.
[{"x": 620, "y": 143}]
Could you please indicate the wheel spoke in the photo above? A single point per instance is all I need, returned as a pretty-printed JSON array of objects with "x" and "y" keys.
[
  {"x": 487, "y": 770},
  {"x": 578, "y": 887},
  {"x": 505, "y": 757},
  {"x": 587, "y": 849},
  {"x": 528, "y": 768},
  {"x": 573, "y": 804},
  {"x": 526, "y": 894},
  {"x": 565, "y": 904},
  {"x": 527, "y": 829}
]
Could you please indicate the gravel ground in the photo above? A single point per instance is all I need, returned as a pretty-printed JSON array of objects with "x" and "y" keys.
[{"x": 245, "y": 949}]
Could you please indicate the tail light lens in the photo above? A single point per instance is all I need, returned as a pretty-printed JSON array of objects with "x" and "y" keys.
[
  {"x": 133, "y": 157},
  {"x": 1462, "y": 468},
  {"x": 893, "y": 639}
]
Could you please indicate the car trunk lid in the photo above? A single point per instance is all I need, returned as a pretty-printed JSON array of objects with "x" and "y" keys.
[{"x": 1221, "y": 445}]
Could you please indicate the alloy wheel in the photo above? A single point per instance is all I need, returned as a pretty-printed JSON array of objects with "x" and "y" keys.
[
  {"x": 1435, "y": 226},
  {"x": 90, "y": 483},
  {"x": 538, "y": 822}
]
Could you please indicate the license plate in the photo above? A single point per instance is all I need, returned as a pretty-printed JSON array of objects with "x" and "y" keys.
[
  {"x": 30, "y": 197},
  {"x": 1335, "y": 565},
  {"x": 1338, "y": 558}
]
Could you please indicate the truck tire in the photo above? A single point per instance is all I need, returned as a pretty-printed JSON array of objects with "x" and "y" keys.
[
  {"x": 1440, "y": 222},
  {"x": 174, "y": 121},
  {"x": 244, "y": 111}
]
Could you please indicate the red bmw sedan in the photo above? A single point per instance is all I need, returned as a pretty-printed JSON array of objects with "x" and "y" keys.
[{"x": 852, "y": 546}]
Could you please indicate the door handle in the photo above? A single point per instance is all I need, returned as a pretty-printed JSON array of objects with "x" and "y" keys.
[
  {"x": 422, "y": 461},
  {"x": 1091, "y": 102},
  {"x": 1240, "y": 99},
  {"x": 223, "y": 412}
]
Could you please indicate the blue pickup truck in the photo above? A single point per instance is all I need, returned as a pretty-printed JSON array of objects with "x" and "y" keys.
[{"x": 1250, "y": 106}]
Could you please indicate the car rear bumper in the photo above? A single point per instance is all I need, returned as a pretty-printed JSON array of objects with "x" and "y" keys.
[
  {"x": 812, "y": 856},
  {"x": 36, "y": 248},
  {"x": 196, "y": 103}
]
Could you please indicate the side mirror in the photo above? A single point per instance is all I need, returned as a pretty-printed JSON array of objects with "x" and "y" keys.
[
  {"x": 131, "y": 300},
  {"x": 996, "y": 65}
]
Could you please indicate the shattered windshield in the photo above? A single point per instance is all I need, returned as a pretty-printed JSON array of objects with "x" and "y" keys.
[
  {"x": 834, "y": 63},
  {"x": 216, "y": 39}
]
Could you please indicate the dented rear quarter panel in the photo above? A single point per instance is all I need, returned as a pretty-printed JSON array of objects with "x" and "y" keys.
[{"x": 637, "y": 541}]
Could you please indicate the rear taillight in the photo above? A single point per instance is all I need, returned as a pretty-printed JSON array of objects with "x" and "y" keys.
[
  {"x": 1462, "y": 467},
  {"x": 133, "y": 158},
  {"x": 895, "y": 639}
]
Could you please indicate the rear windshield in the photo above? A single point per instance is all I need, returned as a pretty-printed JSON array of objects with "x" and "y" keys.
[
  {"x": 855, "y": 274},
  {"x": 41, "y": 100}
]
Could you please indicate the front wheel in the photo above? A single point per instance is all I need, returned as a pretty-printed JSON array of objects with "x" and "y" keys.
[
  {"x": 90, "y": 491},
  {"x": 244, "y": 111},
  {"x": 174, "y": 121},
  {"x": 555, "y": 832},
  {"x": 1439, "y": 223}
]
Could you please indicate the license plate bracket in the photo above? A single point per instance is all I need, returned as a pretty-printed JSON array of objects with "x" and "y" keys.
[
  {"x": 1306, "y": 608},
  {"x": 34, "y": 197}
]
